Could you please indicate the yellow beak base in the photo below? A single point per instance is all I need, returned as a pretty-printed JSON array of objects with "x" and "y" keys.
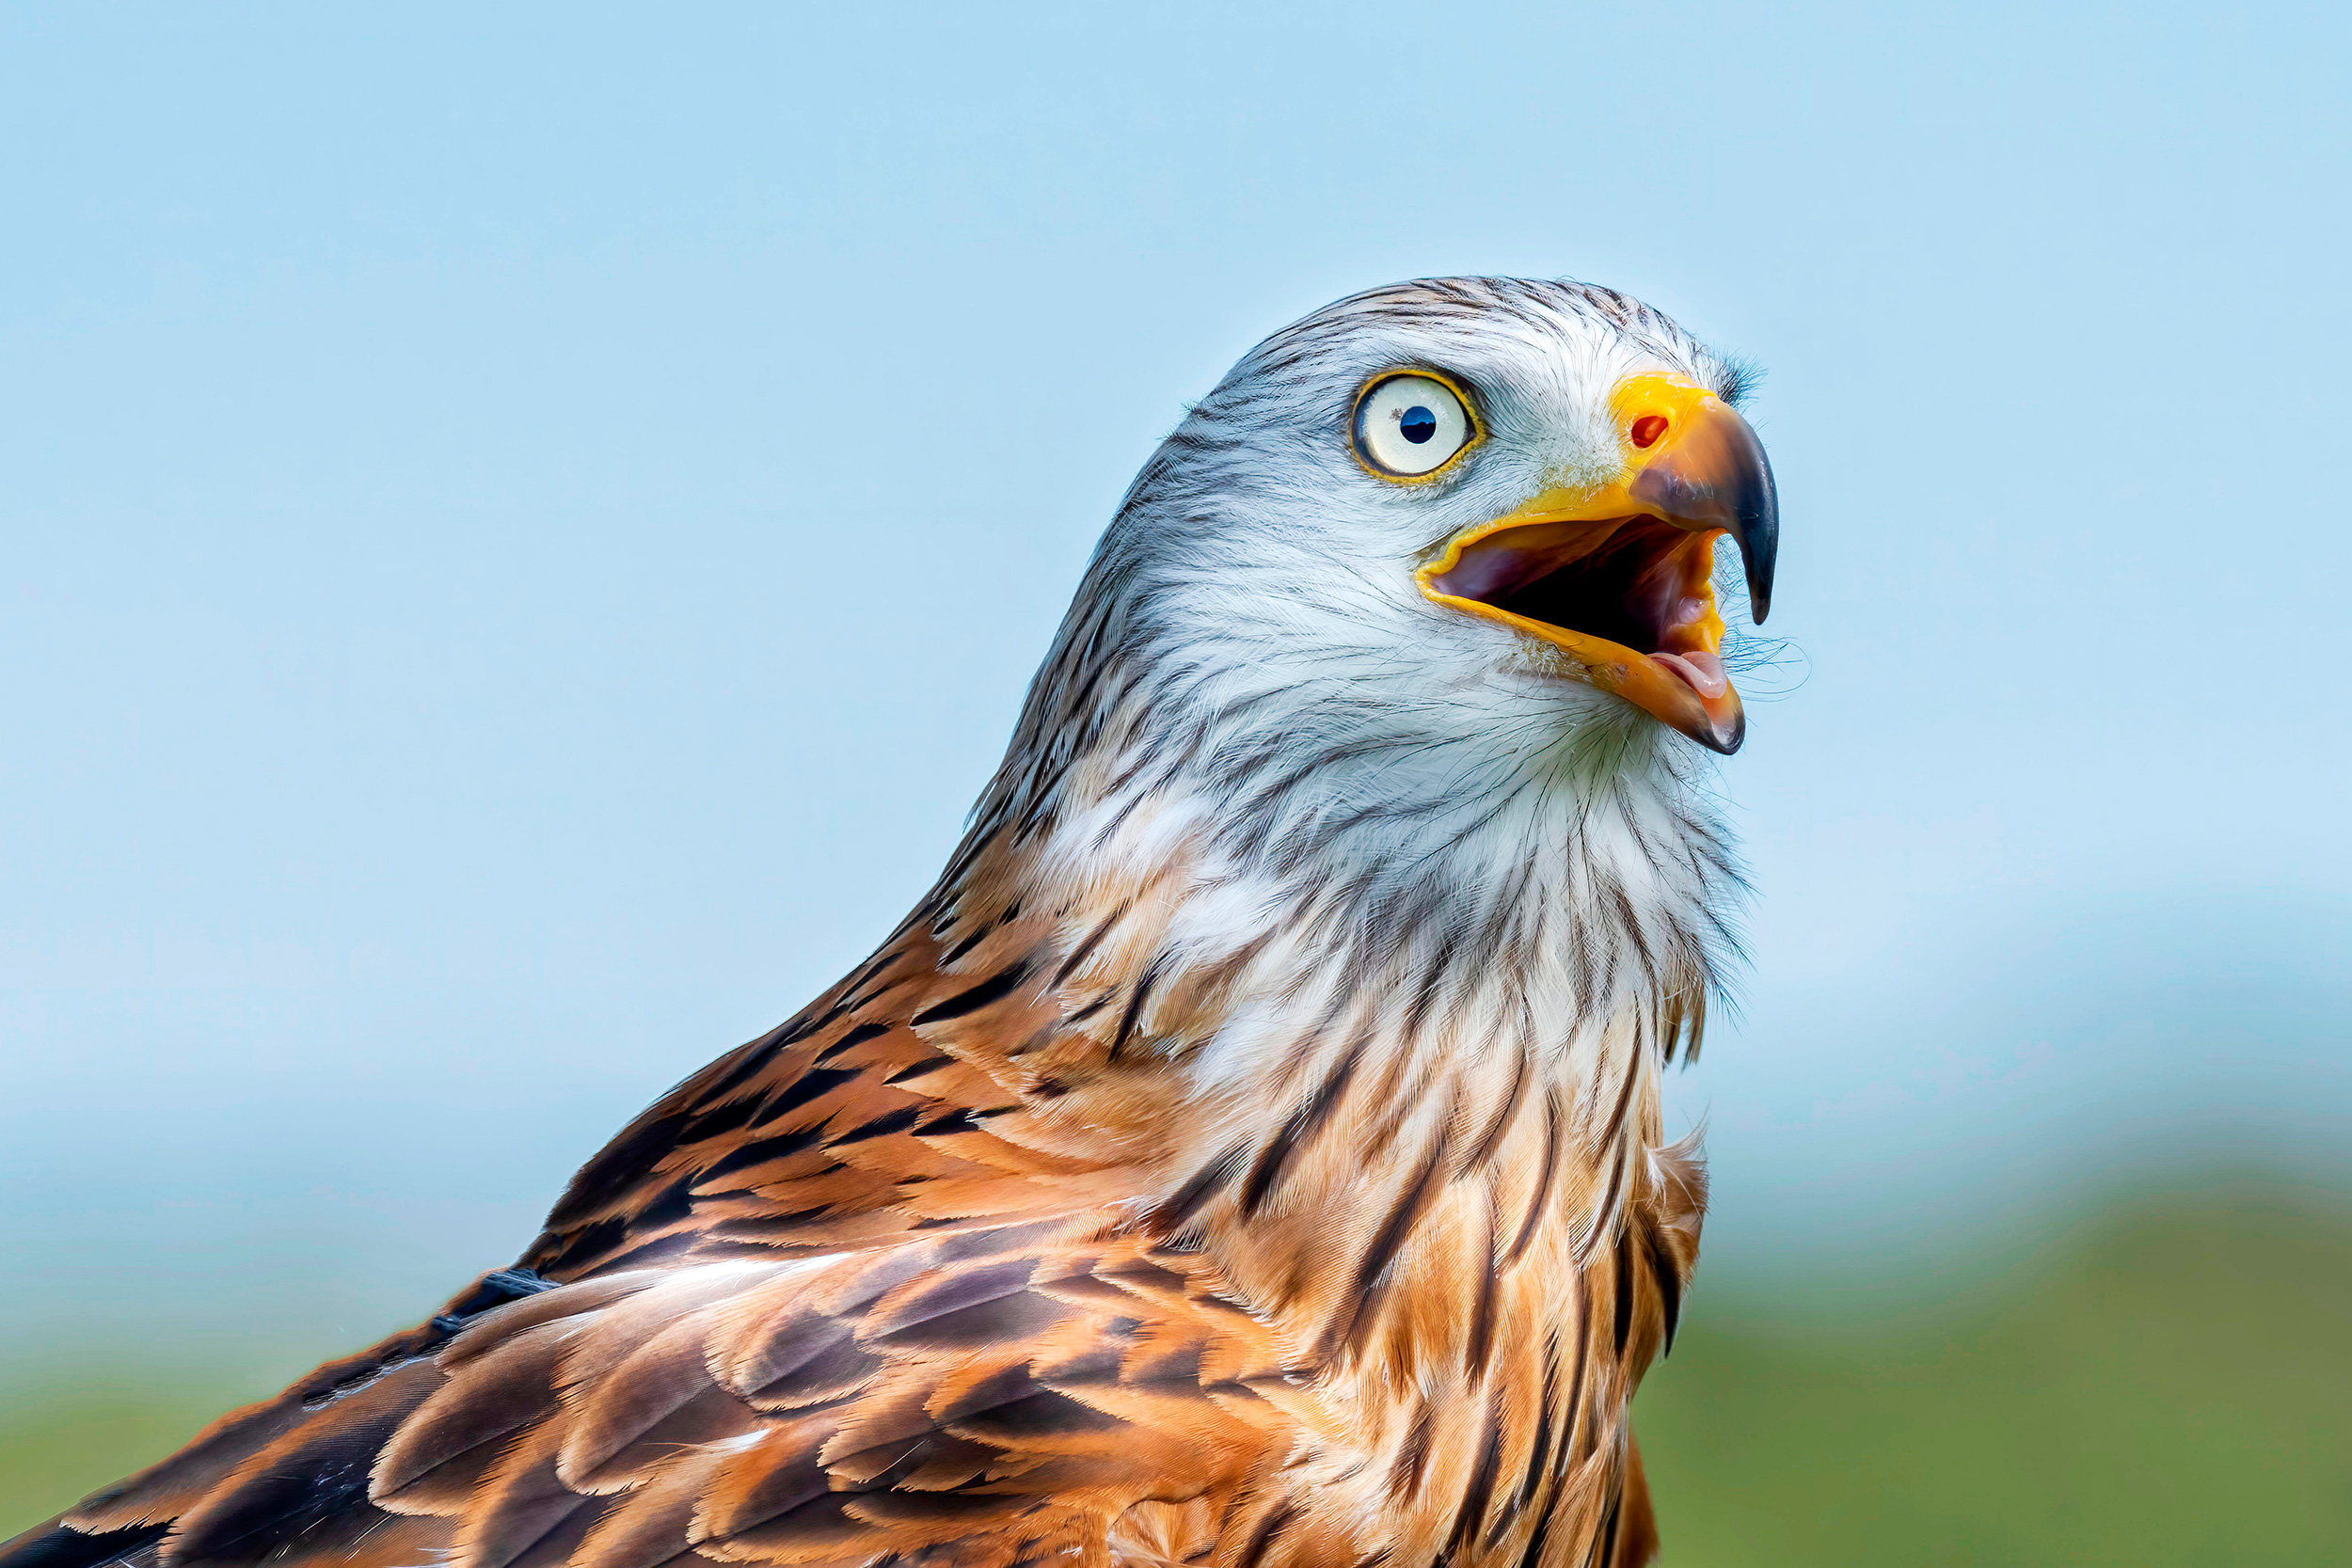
[{"x": 1614, "y": 585}]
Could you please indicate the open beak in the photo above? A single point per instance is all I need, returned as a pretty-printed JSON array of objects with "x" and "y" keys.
[{"x": 1616, "y": 585}]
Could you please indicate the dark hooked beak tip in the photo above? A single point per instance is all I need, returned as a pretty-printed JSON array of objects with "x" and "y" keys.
[
  {"x": 1715, "y": 475},
  {"x": 1758, "y": 533}
]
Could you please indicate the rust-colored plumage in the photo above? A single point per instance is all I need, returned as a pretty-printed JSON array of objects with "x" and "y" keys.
[{"x": 1331, "y": 1227}]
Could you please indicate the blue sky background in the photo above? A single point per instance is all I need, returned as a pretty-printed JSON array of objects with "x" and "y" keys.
[{"x": 524, "y": 534}]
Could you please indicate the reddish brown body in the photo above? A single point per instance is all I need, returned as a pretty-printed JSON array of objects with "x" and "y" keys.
[
  {"x": 1249, "y": 1154},
  {"x": 910, "y": 1277}
]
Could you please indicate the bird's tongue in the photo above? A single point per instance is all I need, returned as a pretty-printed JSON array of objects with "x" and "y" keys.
[{"x": 1702, "y": 672}]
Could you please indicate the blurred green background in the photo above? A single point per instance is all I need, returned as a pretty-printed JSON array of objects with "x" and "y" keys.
[
  {"x": 2160, "y": 1375},
  {"x": 2162, "y": 1378}
]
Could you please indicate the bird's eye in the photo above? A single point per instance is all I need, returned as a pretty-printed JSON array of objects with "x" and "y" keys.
[{"x": 1410, "y": 425}]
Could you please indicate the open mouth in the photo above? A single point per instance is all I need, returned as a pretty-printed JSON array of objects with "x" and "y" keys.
[
  {"x": 1614, "y": 585},
  {"x": 1613, "y": 592}
]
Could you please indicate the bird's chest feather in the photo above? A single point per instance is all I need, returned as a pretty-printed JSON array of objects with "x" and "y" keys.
[{"x": 1471, "y": 1289}]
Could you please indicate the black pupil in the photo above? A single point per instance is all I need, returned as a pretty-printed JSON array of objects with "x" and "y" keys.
[{"x": 1418, "y": 424}]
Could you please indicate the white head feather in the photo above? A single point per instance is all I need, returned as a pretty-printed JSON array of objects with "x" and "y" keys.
[{"x": 1251, "y": 686}]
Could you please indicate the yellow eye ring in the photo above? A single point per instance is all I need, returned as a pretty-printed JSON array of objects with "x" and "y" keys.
[{"x": 1410, "y": 425}]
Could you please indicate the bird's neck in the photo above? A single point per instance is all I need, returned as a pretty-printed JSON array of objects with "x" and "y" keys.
[
  {"x": 1368, "y": 1117},
  {"x": 1427, "y": 1157}
]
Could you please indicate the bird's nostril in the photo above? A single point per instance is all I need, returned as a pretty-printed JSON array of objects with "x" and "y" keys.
[{"x": 1648, "y": 429}]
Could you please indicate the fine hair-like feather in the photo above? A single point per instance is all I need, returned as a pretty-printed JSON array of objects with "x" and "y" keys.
[{"x": 1249, "y": 1152}]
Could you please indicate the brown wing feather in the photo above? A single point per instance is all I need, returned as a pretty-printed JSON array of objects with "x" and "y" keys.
[
  {"x": 986, "y": 1407},
  {"x": 856, "y": 1292}
]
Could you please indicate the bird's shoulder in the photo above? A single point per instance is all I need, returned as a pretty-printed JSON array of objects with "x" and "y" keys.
[
  {"x": 917, "y": 1093},
  {"x": 840, "y": 1293},
  {"x": 1016, "y": 1391}
]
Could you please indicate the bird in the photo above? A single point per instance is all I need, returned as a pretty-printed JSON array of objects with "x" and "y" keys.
[{"x": 1249, "y": 1152}]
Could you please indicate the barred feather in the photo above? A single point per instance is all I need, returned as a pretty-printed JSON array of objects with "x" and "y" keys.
[{"x": 1248, "y": 1154}]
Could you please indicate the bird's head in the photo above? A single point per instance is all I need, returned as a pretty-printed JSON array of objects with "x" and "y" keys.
[
  {"x": 1396, "y": 675},
  {"x": 1508, "y": 485},
  {"x": 1437, "y": 546}
]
